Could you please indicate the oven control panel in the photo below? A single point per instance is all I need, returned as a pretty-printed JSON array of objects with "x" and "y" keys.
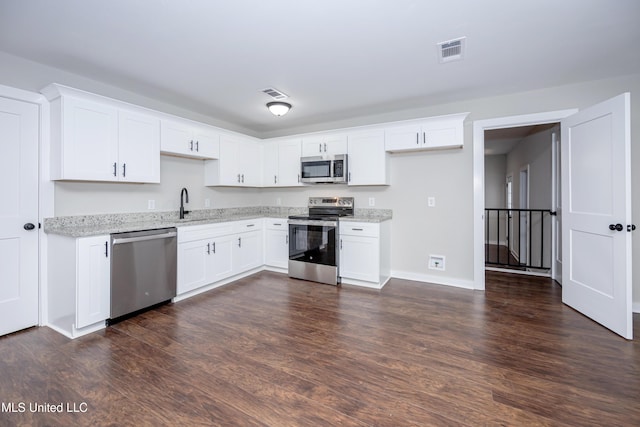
[{"x": 321, "y": 202}]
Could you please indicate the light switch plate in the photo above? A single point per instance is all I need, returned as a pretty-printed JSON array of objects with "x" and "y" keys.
[
  {"x": 151, "y": 204},
  {"x": 431, "y": 202},
  {"x": 207, "y": 203},
  {"x": 372, "y": 201}
]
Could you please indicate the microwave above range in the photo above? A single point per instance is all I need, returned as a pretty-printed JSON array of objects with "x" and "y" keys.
[{"x": 324, "y": 169}]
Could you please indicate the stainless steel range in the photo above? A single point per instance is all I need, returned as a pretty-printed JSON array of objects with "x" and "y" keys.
[{"x": 313, "y": 240}]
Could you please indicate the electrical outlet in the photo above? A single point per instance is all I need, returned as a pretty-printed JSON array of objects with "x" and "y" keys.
[
  {"x": 278, "y": 201},
  {"x": 151, "y": 204},
  {"x": 207, "y": 203},
  {"x": 431, "y": 201},
  {"x": 372, "y": 201}
]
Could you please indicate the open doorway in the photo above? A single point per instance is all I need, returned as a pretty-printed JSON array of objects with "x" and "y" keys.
[
  {"x": 519, "y": 198},
  {"x": 506, "y": 125}
]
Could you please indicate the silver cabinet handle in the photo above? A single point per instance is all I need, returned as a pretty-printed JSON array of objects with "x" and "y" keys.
[
  {"x": 417, "y": 138},
  {"x": 424, "y": 137},
  {"x": 286, "y": 240},
  {"x": 251, "y": 225},
  {"x": 239, "y": 242},
  {"x": 275, "y": 179},
  {"x": 357, "y": 229},
  {"x": 320, "y": 148},
  {"x": 106, "y": 249},
  {"x": 115, "y": 169},
  {"x": 340, "y": 243},
  {"x": 298, "y": 177},
  {"x": 191, "y": 145},
  {"x": 124, "y": 170},
  {"x": 198, "y": 146},
  {"x": 238, "y": 177},
  {"x": 208, "y": 249},
  {"x": 349, "y": 176},
  {"x": 325, "y": 147},
  {"x": 214, "y": 247},
  {"x": 243, "y": 178}
]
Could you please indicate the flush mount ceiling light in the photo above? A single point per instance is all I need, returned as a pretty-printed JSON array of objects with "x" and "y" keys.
[{"x": 278, "y": 108}]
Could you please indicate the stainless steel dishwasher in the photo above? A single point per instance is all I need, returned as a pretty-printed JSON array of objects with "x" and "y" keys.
[{"x": 143, "y": 269}]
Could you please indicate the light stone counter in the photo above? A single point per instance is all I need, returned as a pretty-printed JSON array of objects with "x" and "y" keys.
[{"x": 94, "y": 225}]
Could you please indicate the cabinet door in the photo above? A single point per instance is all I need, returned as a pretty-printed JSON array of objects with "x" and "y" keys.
[
  {"x": 176, "y": 138},
  {"x": 277, "y": 247},
  {"x": 247, "y": 251},
  {"x": 220, "y": 262},
  {"x": 368, "y": 160},
  {"x": 289, "y": 163},
  {"x": 270, "y": 168},
  {"x": 93, "y": 298},
  {"x": 192, "y": 265},
  {"x": 206, "y": 144},
  {"x": 251, "y": 164},
  {"x": 138, "y": 148},
  {"x": 335, "y": 144},
  {"x": 407, "y": 137},
  {"x": 90, "y": 141},
  {"x": 446, "y": 134},
  {"x": 229, "y": 163},
  {"x": 360, "y": 258}
]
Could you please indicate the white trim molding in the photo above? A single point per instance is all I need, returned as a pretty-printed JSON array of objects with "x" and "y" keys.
[{"x": 433, "y": 279}]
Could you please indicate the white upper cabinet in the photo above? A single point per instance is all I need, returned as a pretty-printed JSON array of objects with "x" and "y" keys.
[
  {"x": 433, "y": 133},
  {"x": 368, "y": 162},
  {"x": 138, "y": 135},
  {"x": 239, "y": 165},
  {"x": 189, "y": 140},
  {"x": 319, "y": 145},
  {"x": 281, "y": 161},
  {"x": 95, "y": 139}
]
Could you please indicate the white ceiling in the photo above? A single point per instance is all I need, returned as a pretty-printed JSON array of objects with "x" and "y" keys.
[{"x": 336, "y": 59}]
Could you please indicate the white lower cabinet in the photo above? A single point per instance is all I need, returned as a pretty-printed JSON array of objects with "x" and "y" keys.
[
  {"x": 276, "y": 243},
  {"x": 365, "y": 255},
  {"x": 79, "y": 283},
  {"x": 214, "y": 252}
]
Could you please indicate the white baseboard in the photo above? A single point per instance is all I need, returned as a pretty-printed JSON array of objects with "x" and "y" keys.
[{"x": 436, "y": 280}]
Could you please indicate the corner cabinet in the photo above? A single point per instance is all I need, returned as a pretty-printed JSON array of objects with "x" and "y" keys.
[
  {"x": 79, "y": 283},
  {"x": 365, "y": 253},
  {"x": 239, "y": 165},
  {"x": 98, "y": 139},
  {"x": 426, "y": 134}
]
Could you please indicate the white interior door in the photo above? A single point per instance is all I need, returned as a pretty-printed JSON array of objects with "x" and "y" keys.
[
  {"x": 19, "y": 194},
  {"x": 596, "y": 201}
]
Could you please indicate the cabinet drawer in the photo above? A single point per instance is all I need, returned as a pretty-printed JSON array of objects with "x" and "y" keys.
[
  {"x": 348, "y": 228},
  {"x": 276, "y": 223},
  {"x": 190, "y": 233},
  {"x": 244, "y": 226}
]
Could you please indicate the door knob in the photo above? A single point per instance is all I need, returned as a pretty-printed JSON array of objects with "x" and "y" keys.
[
  {"x": 29, "y": 226},
  {"x": 616, "y": 227}
]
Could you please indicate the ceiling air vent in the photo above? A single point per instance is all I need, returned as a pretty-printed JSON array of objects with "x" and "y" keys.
[
  {"x": 275, "y": 93},
  {"x": 451, "y": 50}
]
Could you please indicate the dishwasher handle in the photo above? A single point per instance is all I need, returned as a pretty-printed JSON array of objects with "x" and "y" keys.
[{"x": 143, "y": 238}]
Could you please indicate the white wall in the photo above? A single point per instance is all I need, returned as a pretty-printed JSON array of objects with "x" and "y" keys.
[
  {"x": 495, "y": 167},
  {"x": 446, "y": 229}
]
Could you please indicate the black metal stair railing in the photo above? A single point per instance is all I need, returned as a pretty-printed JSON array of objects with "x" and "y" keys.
[{"x": 518, "y": 238}]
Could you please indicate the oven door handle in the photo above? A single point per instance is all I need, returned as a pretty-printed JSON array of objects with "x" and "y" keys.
[{"x": 313, "y": 222}]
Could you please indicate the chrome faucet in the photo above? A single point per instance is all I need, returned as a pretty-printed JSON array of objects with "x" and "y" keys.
[{"x": 184, "y": 197}]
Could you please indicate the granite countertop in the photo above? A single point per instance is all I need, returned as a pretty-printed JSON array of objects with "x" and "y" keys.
[{"x": 94, "y": 225}]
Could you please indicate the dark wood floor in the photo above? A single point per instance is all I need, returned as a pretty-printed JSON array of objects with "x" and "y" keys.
[{"x": 274, "y": 351}]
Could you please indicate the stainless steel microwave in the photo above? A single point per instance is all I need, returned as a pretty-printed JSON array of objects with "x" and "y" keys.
[{"x": 324, "y": 169}]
